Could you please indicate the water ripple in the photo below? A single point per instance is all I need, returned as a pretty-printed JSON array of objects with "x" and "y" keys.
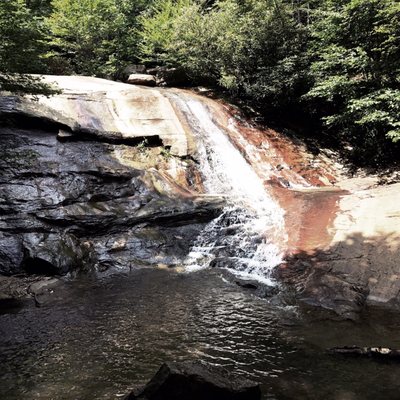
[{"x": 101, "y": 338}]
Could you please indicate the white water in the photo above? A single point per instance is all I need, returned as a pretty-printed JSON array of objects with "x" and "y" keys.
[{"x": 242, "y": 238}]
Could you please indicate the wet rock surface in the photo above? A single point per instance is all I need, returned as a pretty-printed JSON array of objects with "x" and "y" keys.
[
  {"x": 319, "y": 285},
  {"x": 195, "y": 381},
  {"x": 68, "y": 205},
  {"x": 15, "y": 289}
]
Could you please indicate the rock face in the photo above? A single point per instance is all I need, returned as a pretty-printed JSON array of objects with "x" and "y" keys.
[
  {"x": 101, "y": 110},
  {"x": 355, "y": 261},
  {"x": 194, "y": 381},
  {"x": 93, "y": 198}
]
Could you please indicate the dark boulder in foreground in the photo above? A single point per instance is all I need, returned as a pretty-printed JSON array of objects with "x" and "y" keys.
[{"x": 195, "y": 381}]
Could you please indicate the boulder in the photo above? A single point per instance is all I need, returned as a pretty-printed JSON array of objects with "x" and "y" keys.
[
  {"x": 43, "y": 291},
  {"x": 196, "y": 381},
  {"x": 141, "y": 79},
  {"x": 334, "y": 292},
  {"x": 259, "y": 288},
  {"x": 42, "y": 286}
]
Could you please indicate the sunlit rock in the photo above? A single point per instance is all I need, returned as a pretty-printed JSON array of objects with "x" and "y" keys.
[{"x": 141, "y": 79}]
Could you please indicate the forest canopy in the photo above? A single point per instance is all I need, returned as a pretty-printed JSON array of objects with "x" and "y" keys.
[{"x": 333, "y": 65}]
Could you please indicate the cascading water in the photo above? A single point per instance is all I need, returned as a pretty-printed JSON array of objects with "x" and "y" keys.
[{"x": 242, "y": 239}]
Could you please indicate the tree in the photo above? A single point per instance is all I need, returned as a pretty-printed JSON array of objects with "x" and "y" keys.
[
  {"x": 39, "y": 7},
  {"x": 93, "y": 37},
  {"x": 253, "y": 48},
  {"x": 20, "y": 48},
  {"x": 157, "y": 31},
  {"x": 356, "y": 72}
]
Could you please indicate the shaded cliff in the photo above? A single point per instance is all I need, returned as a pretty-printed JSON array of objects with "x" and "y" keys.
[{"x": 97, "y": 177}]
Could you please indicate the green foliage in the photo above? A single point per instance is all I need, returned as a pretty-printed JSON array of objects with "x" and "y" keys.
[
  {"x": 24, "y": 84},
  {"x": 20, "y": 45},
  {"x": 246, "y": 47},
  {"x": 378, "y": 110},
  {"x": 79, "y": 34},
  {"x": 355, "y": 67},
  {"x": 93, "y": 37},
  {"x": 337, "y": 61},
  {"x": 273, "y": 54},
  {"x": 158, "y": 31},
  {"x": 21, "y": 48},
  {"x": 39, "y": 7}
]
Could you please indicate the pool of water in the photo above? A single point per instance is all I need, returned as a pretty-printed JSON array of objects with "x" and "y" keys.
[{"x": 99, "y": 337}]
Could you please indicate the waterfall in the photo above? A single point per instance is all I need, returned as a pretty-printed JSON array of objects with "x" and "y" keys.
[{"x": 242, "y": 239}]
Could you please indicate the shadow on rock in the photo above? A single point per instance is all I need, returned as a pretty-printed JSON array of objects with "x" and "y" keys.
[{"x": 348, "y": 276}]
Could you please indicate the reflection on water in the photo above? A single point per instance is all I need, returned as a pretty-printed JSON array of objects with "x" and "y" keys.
[{"x": 100, "y": 338}]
